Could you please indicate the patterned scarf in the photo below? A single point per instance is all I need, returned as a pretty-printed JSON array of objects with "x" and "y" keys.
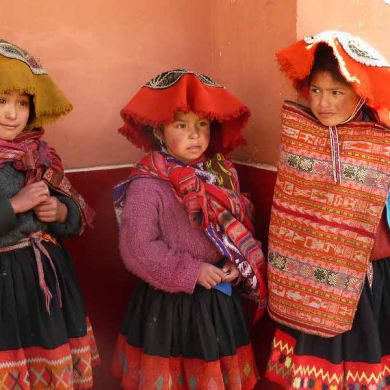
[
  {"x": 28, "y": 153},
  {"x": 209, "y": 192}
]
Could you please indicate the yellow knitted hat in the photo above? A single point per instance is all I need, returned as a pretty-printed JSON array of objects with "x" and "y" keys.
[{"x": 21, "y": 72}]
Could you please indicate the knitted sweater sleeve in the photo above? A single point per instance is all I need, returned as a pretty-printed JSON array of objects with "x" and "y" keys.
[
  {"x": 7, "y": 216},
  {"x": 141, "y": 243},
  {"x": 71, "y": 227}
]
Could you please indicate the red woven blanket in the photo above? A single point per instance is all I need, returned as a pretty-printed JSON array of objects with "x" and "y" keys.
[{"x": 322, "y": 233}]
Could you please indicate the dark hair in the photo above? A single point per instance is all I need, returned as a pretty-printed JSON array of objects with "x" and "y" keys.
[
  {"x": 31, "y": 116},
  {"x": 325, "y": 61}
]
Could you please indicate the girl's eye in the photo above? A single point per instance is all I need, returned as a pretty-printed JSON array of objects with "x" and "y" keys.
[
  {"x": 314, "y": 90},
  {"x": 336, "y": 93},
  {"x": 24, "y": 103},
  {"x": 181, "y": 125},
  {"x": 203, "y": 123},
  {"x": 2, "y": 100}
]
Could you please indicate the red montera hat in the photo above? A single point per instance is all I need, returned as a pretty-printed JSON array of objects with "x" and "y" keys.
[
  {"x": 360, "y": 64},
  {"x": 157, "y": 102}
]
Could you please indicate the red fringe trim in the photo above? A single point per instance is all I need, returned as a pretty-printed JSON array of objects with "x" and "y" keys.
[
  {"x": 140, "y": 371},
  {"x": 225, "y": 136},
  {"x": 153, "y": 108}
]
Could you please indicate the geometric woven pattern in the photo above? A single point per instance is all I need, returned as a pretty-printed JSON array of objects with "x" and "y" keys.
[
  {"x": 321, "y": 232},
  {"x": 309, "y": 372},
  {"x": 66, "y": 367},
  {"x": 139, "y": 371}
]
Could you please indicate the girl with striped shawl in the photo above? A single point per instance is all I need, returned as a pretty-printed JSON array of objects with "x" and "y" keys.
[{"x": 186, "y": 232}]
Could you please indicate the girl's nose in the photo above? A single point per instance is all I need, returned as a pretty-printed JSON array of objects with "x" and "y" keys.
[
  {"x": 11, "y": 111},
  {"x": 194, "y": 131},
  {"x": 324, "y": 100}
]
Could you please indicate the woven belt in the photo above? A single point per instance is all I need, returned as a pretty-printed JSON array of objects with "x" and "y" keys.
[{"x": 35, "y": 241}]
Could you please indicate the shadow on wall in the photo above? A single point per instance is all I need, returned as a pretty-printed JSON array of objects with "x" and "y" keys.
[{"x": 107, "y": 285}]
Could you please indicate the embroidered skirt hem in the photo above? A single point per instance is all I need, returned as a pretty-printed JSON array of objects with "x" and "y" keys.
[
  {"x": 40, "y": 348},
  {"x": 357, "y": 359},
  {"x": 181, "y": 341}
]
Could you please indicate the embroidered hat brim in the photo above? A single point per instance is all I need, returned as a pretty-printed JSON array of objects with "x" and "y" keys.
[
  {"x": 360, "y": 64},
  {"x": 157, "y": 102},
  {"x": 21, "y": 72}
]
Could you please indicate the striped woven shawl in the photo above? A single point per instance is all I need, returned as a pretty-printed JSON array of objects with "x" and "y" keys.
[
  {"x": 29, "y": 154},
  {"x": 209, "y": 192}
]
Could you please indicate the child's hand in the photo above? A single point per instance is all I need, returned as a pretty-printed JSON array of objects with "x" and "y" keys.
[
  {"x": 30, "y": 196},
  {"x": 230, "y": 272},
  {"x": 51, "y": 210},
  {"x": 209, "y": 275}
]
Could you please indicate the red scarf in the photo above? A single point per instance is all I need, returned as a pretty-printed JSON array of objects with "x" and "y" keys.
[
  {"x": 28, "y": 153},
  {"x": 209, "y": 205}
]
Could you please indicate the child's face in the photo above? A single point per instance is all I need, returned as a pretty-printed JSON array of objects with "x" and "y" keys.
[
  {"x": 188, "y": 137},
  {"x": 14, "y": 114},
  {"x": 331, "y": 101}
]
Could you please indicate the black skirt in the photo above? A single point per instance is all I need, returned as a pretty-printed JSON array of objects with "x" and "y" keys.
[
  {"x": 357, "y": 359},
  {"x": 42, "y": 348},
  {"x": 184, "y": 340}
]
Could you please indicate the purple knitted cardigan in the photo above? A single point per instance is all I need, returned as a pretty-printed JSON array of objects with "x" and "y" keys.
[{"x": 157, "y": 242}]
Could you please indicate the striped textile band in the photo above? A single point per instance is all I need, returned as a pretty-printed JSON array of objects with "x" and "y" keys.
[
  {"x": 334, "y": 143},
  {"x": 35, "y": 241},
  {"x": 322, "y": 232}
]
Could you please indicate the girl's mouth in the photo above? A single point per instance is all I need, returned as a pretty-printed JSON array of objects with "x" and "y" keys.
[
  {"x": 326, "y": 113},
  {"x": 10, "y": 127}
]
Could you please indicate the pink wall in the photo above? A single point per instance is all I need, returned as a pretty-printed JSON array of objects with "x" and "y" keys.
[
  {"x": 100, "y": 52},
  {"x": 369, "y": 19},
  {"x": 245, "y": 36}
]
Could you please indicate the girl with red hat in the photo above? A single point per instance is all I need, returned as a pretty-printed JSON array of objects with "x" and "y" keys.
[
  {"x": 186, "y": 232},
  {"x": 329, "y": 239}
]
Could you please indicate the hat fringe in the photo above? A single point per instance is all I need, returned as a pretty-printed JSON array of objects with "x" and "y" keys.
[
  {"x": 141, "y": 120},
  {"x": 49, "y": 101},
  {"x": 134, "y": 128}
]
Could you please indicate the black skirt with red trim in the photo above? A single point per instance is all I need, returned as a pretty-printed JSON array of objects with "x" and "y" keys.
[
  {"x": 41, "y": 349},
  {"x": 181, "y": 341},
  {"x": 356, "y": 360}
]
